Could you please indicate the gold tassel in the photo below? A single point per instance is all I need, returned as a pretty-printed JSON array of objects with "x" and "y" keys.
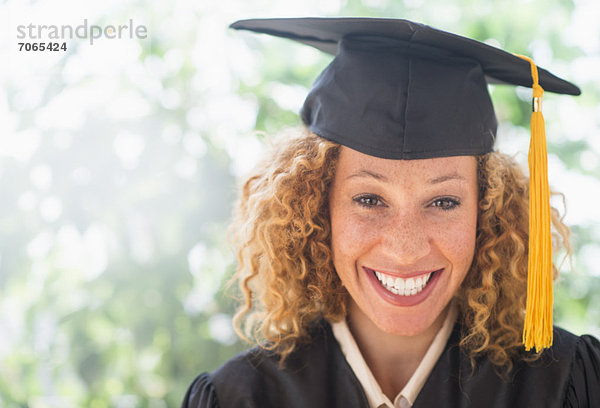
[{"x": 537, "y": 331}]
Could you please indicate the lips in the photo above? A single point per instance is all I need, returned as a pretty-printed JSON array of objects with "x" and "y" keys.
[{"x": 403, "y": 291}]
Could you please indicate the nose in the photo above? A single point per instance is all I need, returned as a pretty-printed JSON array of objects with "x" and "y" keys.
[{"x": 406, "y": 238}]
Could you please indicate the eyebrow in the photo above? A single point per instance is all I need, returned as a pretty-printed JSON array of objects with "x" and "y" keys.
[
  {"x": 446, "y": 177},
  {"x": 367, "y": 173}
]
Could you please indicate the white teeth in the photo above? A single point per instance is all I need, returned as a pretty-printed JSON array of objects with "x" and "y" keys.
[
  {"x": 399, "y": 285},
  {"x": 403, "y": 287}
]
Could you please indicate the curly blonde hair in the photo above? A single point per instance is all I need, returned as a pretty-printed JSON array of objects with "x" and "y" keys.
[
  {"x": 493, "y": 295},
  {"x": 281, "y": 230}
]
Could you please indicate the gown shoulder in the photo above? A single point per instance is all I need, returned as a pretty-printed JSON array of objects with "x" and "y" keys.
[
  {"x": 567, "y": 375},
  {"x": 314, "y": 375},
  {"x": 201, "y": 394},
  {"x": 583, "y": 388}
]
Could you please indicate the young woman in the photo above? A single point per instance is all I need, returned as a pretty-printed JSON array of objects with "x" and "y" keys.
[{"x": 384, "y": 252}]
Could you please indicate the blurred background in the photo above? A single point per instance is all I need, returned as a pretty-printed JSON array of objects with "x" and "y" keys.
[{"x": 118, "y": 169}]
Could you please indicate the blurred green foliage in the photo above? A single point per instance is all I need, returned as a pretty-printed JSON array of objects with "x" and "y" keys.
[{"x": 120, "y": 300}]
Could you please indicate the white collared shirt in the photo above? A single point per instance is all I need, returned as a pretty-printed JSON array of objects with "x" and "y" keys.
[{"x": 408, "y": 395}]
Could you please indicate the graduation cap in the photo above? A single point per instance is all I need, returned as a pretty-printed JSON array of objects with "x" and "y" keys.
[{"x": 403, "y": 90}]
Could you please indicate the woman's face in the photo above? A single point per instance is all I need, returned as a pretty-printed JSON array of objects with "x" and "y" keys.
[{"x": 403, "y": 235}]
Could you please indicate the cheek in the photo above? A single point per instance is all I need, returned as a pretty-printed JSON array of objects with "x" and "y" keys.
[
  {"x": 458, "y": 244},
  {"x": 344, "y": 237},
  {"x": 351, "y": 236}
]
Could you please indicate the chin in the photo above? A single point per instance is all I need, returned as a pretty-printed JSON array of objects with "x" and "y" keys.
[{"x": 404, "y": 326}]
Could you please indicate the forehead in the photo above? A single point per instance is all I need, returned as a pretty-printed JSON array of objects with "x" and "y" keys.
[{"x": 351, "y": 162}]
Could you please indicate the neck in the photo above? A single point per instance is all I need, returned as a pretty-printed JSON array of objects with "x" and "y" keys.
[{"x": 391, "y": 358}]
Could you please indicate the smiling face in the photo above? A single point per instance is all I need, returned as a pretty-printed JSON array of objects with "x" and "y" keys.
[{"x": 403, "y": 235}]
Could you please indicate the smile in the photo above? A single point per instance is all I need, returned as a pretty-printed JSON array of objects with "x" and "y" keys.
[
  {"x": 403, "y": 287},
  {"x": 407, "y": 291}
]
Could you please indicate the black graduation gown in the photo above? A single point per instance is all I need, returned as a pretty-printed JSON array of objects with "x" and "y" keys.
[{"x": 317, "y": 375}]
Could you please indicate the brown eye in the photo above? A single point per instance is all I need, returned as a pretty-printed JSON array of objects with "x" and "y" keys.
[
  {"x": 446, "y": 203},
  {"x": 369, "y": 200}
]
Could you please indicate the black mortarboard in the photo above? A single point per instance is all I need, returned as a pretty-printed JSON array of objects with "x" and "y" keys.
[{"x": 403, "y": 90}]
